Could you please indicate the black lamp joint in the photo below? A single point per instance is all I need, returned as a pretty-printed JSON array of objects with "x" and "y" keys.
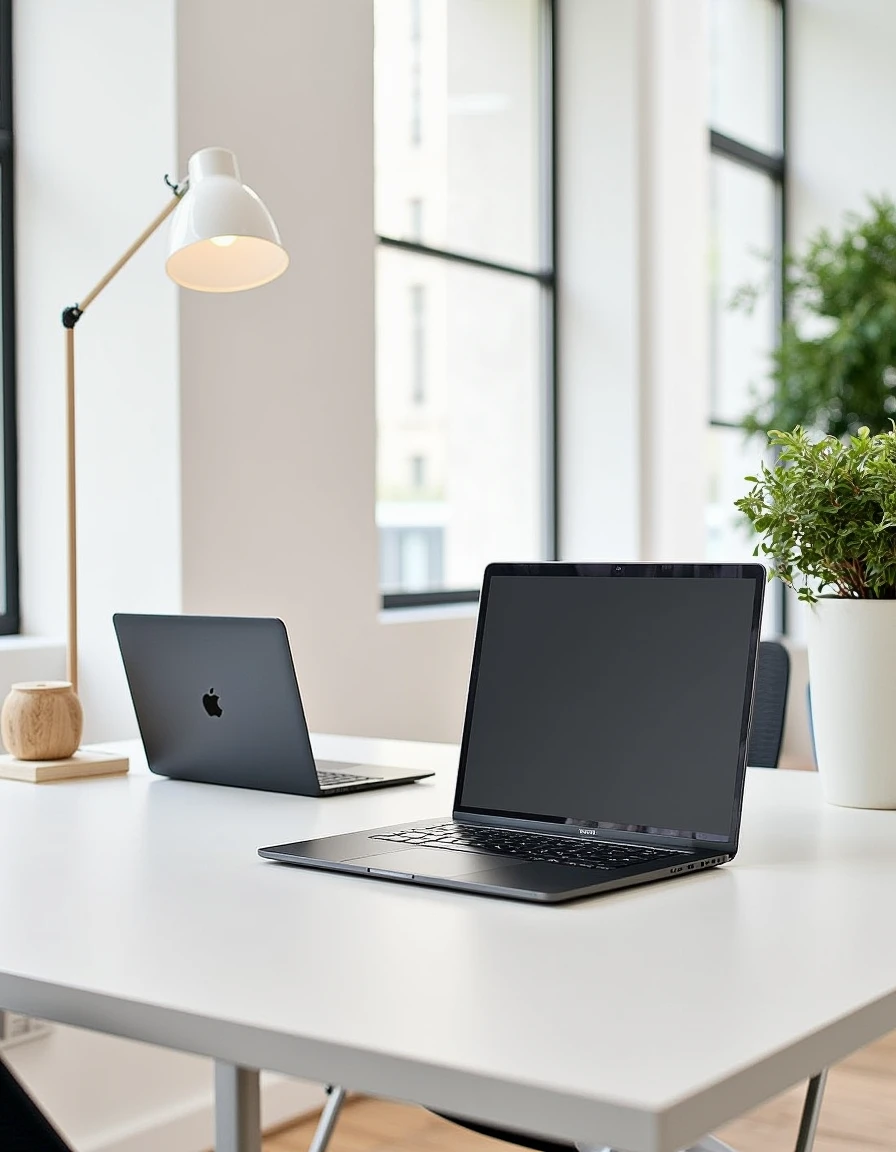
[{"x": 71, "y": 316}]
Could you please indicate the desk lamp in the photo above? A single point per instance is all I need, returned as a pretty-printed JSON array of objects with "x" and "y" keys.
[{"x": 223, "y": 239}]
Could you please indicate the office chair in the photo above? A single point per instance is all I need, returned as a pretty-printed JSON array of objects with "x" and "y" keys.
[
  {"x": 811, "y": 725},
  {"x": 23, "y": 1127},
  {"x": 769, "y": 705},
  {"x": 763, "y": 751}
]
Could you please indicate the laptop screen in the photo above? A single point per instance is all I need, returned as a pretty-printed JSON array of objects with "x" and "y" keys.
[{"x": 613, "y": 696}]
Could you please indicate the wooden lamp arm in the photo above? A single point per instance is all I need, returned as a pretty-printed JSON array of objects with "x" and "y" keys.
[
  {"x": 70, "y": 318},
  {"x": 72, "y": 315}
]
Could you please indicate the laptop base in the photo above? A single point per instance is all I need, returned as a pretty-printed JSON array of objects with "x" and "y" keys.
[
  {"x": 336, "y": 777},
  {"x": 368, "y": 854}
]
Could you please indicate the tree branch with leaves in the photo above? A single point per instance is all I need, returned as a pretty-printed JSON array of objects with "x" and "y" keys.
[{"x": 834, "y": 367}]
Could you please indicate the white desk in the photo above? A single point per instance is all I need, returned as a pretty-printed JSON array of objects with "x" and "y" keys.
[{"x": 137, "y": 906}]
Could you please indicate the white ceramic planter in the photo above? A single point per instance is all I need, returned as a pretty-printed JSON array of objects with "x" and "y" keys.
[{"x": 852, "y": 674}]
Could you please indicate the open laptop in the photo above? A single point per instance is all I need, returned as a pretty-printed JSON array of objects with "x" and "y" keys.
[
  {"x": 217, "y": 701},
  {"x": 605, "y": 736}
]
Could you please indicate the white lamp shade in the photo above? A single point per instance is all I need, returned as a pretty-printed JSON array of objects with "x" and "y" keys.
[{"x": 223, "y": 239}]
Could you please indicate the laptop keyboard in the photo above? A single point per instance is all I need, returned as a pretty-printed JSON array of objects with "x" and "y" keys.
[
  {"x": 331, "y": 779},
  {"x": 527, "y": 846}
]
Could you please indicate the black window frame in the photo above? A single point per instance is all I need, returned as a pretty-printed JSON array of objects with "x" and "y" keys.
[
  {"x": 546, "y": 278},
  {"x": 774, "y": 166},
  {"x": 10, "y": 616}
]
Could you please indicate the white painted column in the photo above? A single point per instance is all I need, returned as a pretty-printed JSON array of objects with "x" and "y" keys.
[{"x": 633, "y": 292}]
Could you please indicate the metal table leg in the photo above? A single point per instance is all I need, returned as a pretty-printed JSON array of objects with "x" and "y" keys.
[
  {"x": 805, "y": 1140},
  {"x": 328, "y": 1118},
  {"x": 237, "y": 1109},
  {"x": 811, "y": 1112},
  {"x": 336, "y": 1097}
]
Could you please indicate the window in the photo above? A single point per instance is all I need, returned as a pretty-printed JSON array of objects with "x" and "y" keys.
[
  {"x": 418, "y": 343},
  {"x": 416, "y": 97},
  {"x": 415, "y": 211},
  {"x": 465, "y": 292},
  {"x": 411, "y": 558},
  {"x": 747, "y": 218},
  {"x": 9, "y": 566}
]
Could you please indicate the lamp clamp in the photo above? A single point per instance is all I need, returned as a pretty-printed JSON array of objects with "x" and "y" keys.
[{"x": 177, "y": 188}]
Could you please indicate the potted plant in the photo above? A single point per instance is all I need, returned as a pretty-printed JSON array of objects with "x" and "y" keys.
[
  {"x": 834, "y": 367},
  {"x": 826, "y": 517}
]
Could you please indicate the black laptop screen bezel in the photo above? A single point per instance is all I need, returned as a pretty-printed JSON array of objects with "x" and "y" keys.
[{"x": 600, "y": 829}]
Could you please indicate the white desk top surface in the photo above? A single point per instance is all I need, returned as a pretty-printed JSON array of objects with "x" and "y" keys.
[{"x": 643, "y": 1018}]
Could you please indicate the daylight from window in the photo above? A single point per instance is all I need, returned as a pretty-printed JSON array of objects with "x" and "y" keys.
[
  {"x": 746, "y": 191},
  {"x": 460, "y": 348}
]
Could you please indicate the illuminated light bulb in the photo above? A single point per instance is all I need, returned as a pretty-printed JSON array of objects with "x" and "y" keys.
[{"x": 245, "y": 250}]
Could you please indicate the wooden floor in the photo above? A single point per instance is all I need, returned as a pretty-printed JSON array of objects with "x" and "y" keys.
[{"x": 859, "y": 1115}]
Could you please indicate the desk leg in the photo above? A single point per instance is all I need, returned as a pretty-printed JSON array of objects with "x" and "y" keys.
[
  {"x": 805, "y": 1141},
  {"x": 328, "y": 1118},
  {"x": 237, "y": 1109},
  {"x": 811, "y": 1112}
]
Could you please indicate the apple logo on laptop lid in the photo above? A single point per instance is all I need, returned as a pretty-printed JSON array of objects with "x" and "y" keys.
[{"x": 210, "y": 702}]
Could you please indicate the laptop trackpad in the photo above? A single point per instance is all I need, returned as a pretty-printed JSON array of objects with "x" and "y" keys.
[{"x": 425, "y": 862}]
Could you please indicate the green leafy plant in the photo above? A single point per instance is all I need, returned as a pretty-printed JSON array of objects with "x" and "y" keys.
[
  {"x": 834, "y": 369},
  {"x": 826, "y": 512}
]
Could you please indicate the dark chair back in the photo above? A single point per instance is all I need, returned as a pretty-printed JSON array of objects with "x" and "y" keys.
[
  {"x": 23, "y": 1127},
  {"x": 769, "y": 705}
]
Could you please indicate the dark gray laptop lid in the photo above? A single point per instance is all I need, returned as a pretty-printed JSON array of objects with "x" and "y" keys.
[
  {"x": 613, "y": 700},
  {"x": 217, "y": 700}
]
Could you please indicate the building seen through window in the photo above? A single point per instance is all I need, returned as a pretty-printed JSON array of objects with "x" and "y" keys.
[
  {"x": 463, "y": 290},
  {"x": 747, "y": 189}
]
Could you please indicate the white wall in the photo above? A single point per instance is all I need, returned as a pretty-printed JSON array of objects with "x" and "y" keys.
[
  {"x": 277, "y": 393},
  {"x": 633, "y": 292},
  {"x": 674, "y": 278},
  {"x": 597, "y": 57},
  {"x": 842, "y": 92},
  {"x": 95, "y": 132},
  {"x": 30, "y": 658}
]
